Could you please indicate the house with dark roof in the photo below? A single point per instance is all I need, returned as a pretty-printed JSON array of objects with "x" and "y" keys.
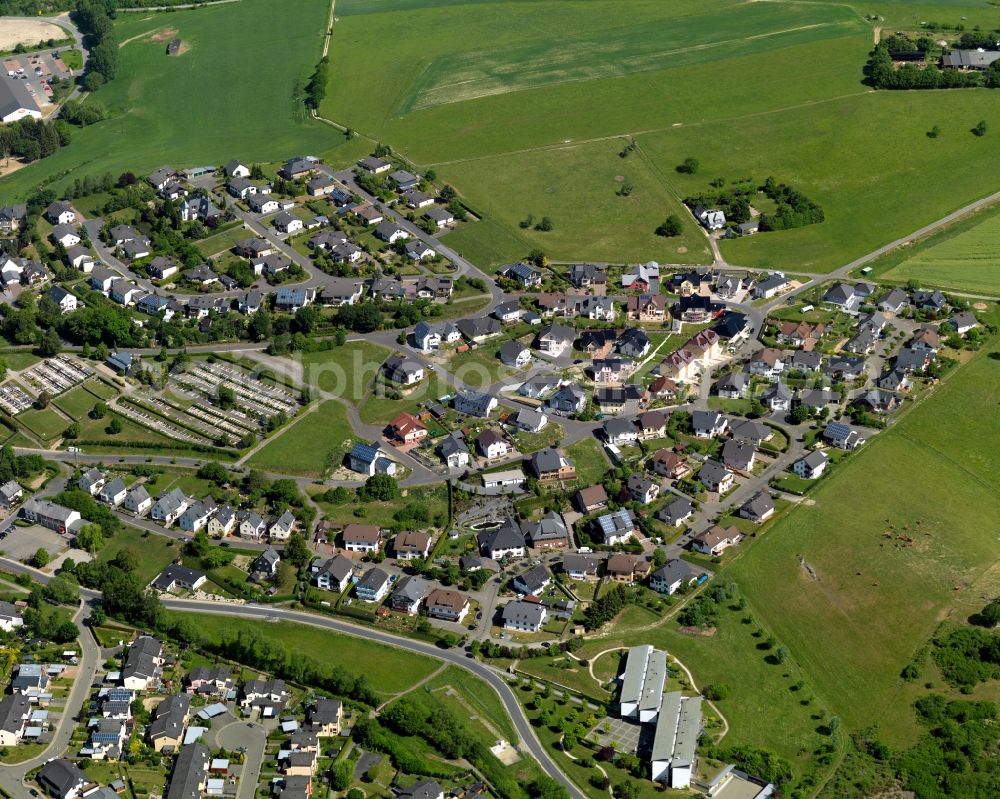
[
  {"x": 676, "y": 512},
  {"x": 716, "y": 540},
  {"x": 546, "y": 533},
  {"x": 507, "y": 540},
  {"x": 671, "y": 576},
  {"x": 523, "y": 616},
  {"x": 759, "y": 508}
]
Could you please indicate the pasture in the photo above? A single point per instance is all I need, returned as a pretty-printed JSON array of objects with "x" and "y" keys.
[
  {"x": 214, "y": 102},
  {"x": 855, "y": 591},
  {"x": 967, "y": 261},
  {"x": 503, "y": 106},
  {"x": 301, "y": 448}
]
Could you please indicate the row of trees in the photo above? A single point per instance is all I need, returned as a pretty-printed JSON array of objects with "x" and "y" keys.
[
  {"x": 30, "y": 139},
  {"x": 95, "y": 19}
]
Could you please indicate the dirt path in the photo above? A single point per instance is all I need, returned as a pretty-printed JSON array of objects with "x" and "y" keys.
[
  {"x": 328, "y": 33},
  {"x": 413, "y": 687}
]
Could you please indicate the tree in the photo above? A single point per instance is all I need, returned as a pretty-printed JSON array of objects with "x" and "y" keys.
[
  {"x": 226, "y": 397},
  {"x": 689, "y": 166},
  {"x": 545, "y": 225},
  {"x": 379, "y": 488},
  {"x": 934, "y": 132},
  {"x": 90, "y": 538},
  {"x": 659, "y": 558},
  {"x": 44, "y": 398},
  {"x": 99, "y": 411},
  {"x": 50, "y": 343},
  {"x": 340, "y": 774},
  {"x": 980, "y": 128},
  {"x": 781, "y": 654},
  {"x": 670, "y": 227},
  {"x": 115, "y": 427},
  {"x": 799, "y": 414},
  {"x": 297, "y": 551},
  {"x": 40, "y": 558}
]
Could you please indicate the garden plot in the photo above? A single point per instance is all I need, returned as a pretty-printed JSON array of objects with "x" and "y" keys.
[
  {"x": 13, "y": 399},
  {"x": 197, "y": 418},
  {"x": 56, "y": 375}
]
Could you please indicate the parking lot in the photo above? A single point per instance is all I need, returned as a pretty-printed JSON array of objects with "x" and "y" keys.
[
  {"x": 20, "y": 543},
  {"x": 36, "y": 70}
]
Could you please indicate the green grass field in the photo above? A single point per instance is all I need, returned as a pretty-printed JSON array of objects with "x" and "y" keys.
[
  {"x": 964, "y": 262},
  {"x": 155, "y": 551},
  {"x": 214, "y": 102},
  {"x": 344, "y": 371},
  {"x": 46, "y": 423},
  {"x": 433, "y": 498},
  {"x": 77, "y": 402},
  {"x": 673, "y": 77},
  {"x": 910, "y": 549},
  {"x": 302, "y": 447},
  {"x": 591, "y": 465},
  {"x": 19, "y": 360},
  {"x": 388, "y": 670}
]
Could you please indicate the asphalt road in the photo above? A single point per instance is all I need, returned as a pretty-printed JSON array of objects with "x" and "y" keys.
[{"x": 454, "y": 657}]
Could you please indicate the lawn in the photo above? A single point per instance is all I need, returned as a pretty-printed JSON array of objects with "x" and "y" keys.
[
  {"x": 480, "y": 367},
  {"x": 96, "y": 430},
  {"x": 433, "y": 498},
  {"x": 19, "y": 360},
  {"x": 155, "y": 552},
  {"x": 382, "y": 409},
  {"x": 885, "y": 571},
  {"x": 221, "y": 242},
  {"x": 591, "y": 465},
  {"x": 963, "y": 262},
  {"x": 389, "y": 670},
  {"x": 302, "y": 447},
  {"x": 158, "y": 102},
  {"x": 344, "y": 371},
  {"x": 46, "y": 423},
  {"x": 563, "y": 670},
  {"x": 77, "y": 402},
  {"x": 475, "y": 697}
]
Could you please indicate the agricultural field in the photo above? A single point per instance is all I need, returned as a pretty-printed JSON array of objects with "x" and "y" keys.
[
  {"x": 664, "y": 71},
  {"x": 855, "y": 594},
  {"x": 967, "y": 261},
  {"x": 302, "y": 447},
  {"x": 157, "y": 102}
]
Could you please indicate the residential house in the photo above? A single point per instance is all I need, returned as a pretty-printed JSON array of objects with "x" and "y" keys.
[
  {"x": 710, "y": 218},
  {"x": 66, "y": 301},
  {"x": 553, "y": 339},
  {"x": 374, "y": 165},
  {"x": 410, "y": 545},
  {"x": 652, "y": 424},
  {"x": 847, "y": 297},
  {"x": 673, "y": 574},
  {"x": 587, "y": 275},
  {"x": 113, "y": 492},
  {"x": 800, "y": 334},
  {"x": 480, "y": 329},
  {"x": 15, "y": 714},
  {"x": 333, "y": 574},
  {"x": 533, "y": 582},
  {"x": 523, "y": 274},
  {"x": 843, "y": 436},
  {"x": 222, "y": 522},
  {"x": 530, "y": 421},
  {"x": 176, "y": 577},
  {"x": 267, "y": 696},
  {"x": 620, "y": 431},
  {"x": 91, "y": 481},
  {"x": 611, "y": 370},
  {"x": 362, "y": 538},
  {"x": 642, "y": 277},
  {"x": 370, "y": 459},
  {"x": 143, "y": 664},
  {"x": 777, "y": 397},
  {"x": 591, "y": 498},
  {"x": 771, "y": 285},
  {"x": 601, "y": 309},
  {"x": 616, "y": 527},
  {"x": 209, "y": 680},
  {"x": 964, "y": 322},
  {"x": 253, "y": 527},
  {"x": 63, "y": 779},
  {"x": 447, "y": 605},
  {"x": 633, "y": 343},
  {"x": 676, "y": 512},
  {"x": 569, "y": 399},
  {"x": 406, "y": 429},
  {"x": 668, "y": 464},
  {"x": 578, "y": 566},
  {"x": 454, "y": 452},
  {"x": 281, "y": 528},
  {"x": 663, "y": 389},
  {"x": 60, "y": 212},
  {"x": 624, "y": 568},
  {"x": 325, "y": 717},
  {"x": 549, "y": 532},
  {"x": 895, "y": 301},
  {"x": 642, "y": 489},
  {"x": 10, "y": 494},
  {"x": 403, "y": 370},
  {"x": 716, "y": 477},
  {"x": 759, "y": 508},
  {"x": 812, "y": 466},
  {"x": 550, "y": 464},
  {"x": 50, "y": 515},
  {"x": 522, "y": 616},
  {"x": 738, "y": 455},
  {"x": 169, "y": 717},
  {"x": 708, "y": 424},
  {"x": 491, "y": 444},
  {"x": 196, "y": 515},
  {"x": 373, "y": 586},
  {"x": 505, "y": 541},
  {"x": 767, "y": 362},
  {"x": 716, "y": 540},
  {"x": 137, "y": 500},
  {"x": 475, "y": 403},
  {"x": 733, "y": 385}
]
